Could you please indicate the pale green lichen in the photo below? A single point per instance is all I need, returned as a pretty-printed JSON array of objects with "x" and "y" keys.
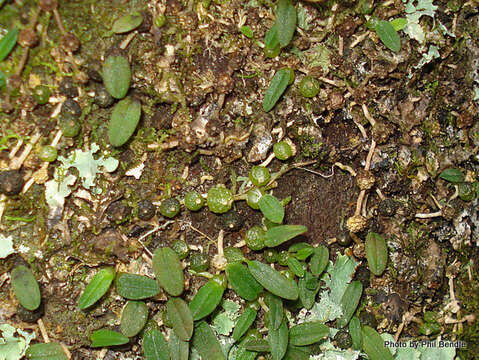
[
  {"x": 13, "y": 346},
  {"x": 6, "y": 246}
]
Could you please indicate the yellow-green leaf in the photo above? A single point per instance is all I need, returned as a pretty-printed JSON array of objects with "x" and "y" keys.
[
  {"x": 50, "y": 351},
  {"x": 7, "y": 43},
  {"x": 104, "y": 337}
]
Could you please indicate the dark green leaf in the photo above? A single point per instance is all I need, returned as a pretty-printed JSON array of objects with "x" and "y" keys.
[
  {"x": 273, "y": 281},
  {"x": 286, "y": 21},
  {"x": 124, "y": 120},
  {"x": 295, "y": 266},
  {"x": 242, "y": 282},
  {"x": 179, "y": 349},
  {"x": 136, "y": 287},
  {"x": 258, "y": 345},
  {"x": 155, "y": 346},
  {"x": 297, "y": 353},
  {"x": 205, "y": 342},
  {"x": 452, "y": 175},
  {"x": 276, "y": 89},
  {"x": 376, "y": 253},
  {"x": 133, "y": 318},
  {"x": 349, "y": 302},
  {"x": 271, "y": 208},
  {"x": 50, "y": 351},
  {"x": 319, "y": 260},
  {"x": 373, "y": 345},
  {"x": 282, "y": 233},
  {"x": 307, "y": 295},
  {"x": 103, "y": 337},
  {"x": 246, "y": 30},
  {"x": 275, "y": 313},
  {"x": 127, "y": 23},
  {"x": 355, "y": 332},
  {"x": 278, "y": 341},
  {"x": 180, "y": 317},
  {"x": 271, "y": 37},
  {"x": 206, "y": 300},
  {"x": 7, "y": 43},
  {"x": 25, "y": 287},
  {"x": 168, "y": 270},
  {"x": 116, "y": 75},
  {"x": 243, "y": 323},
  {"x": 308, "y": 333},
  {"x": 97, "y": 287},
  {"x": 388, "y": 35}
]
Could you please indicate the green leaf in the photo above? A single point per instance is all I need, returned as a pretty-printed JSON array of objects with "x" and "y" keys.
[
  {"x": 243, "y": 323},
  {"x": 104, "y": 337},
  {"x": 355, "y": 332},
  {"x": 168, "y": 271},
  {"x": 275, "y": 313},
  {"x": 373, "y": 345},
  {"x": 133, "y": 318},
  {"x": 286, "y": 21},
  {"x": 155, "y": 346},
  {"x": 135, "y": 287},
  {"x": 247, "y": 31},
  {"x": 297, "y": 353},
  {"x": 127, "y": 23},
  {"x": 258, "y": 345},
  {"x": 116, "y": 75},
  {"x": 307, "y": 295},
  {"x": 388, "y": 35},
  {"x": 349, "y": 302},
  {"x": 319, "y": 260},
  {"x": 205, "y": 342},
  {"x": 7, "y": 43},
  {"x": 242, "y": 282},
  {"x": 305, "y": 253},
  {"x": 206, "y": 300},
  {"x": 50, "y": 351},
  {"x": 271, "y": 37},
  {"x": 308, "y": 333},
  {"x": 376, "y": 253},
  {"x": 124, "y": 120},
  {"x": 180, "y": 317},
  {"x": 273, "y": 281},
  {"x": 271, "y": 208},
  {"x": 97, "y": 287},
  {"x": 399, "y": 23},
  {"x": 179, "y": 349},
  {"x": 452, "y": 175},
  {"x": 278, "y": 341},
  {"x": 279, "y": 234},
  {"x": 295, "y": 266},
  {"x": 25, "y": 287},
  {"x": 276, "y": 89}
]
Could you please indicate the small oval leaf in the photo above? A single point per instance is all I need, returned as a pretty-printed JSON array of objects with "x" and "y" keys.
[
  {"x": 388, "y": 35},
  {"x": 286, "y": 22},
  {"x": 278, "y": 341},
  {"x": 50, "y": 351},
  {"x": 355, "y": 332},
  {"x": 133, "y": 318},
  {"x": 168, "y": 270},
  {"x": 206, "y": 343},
  {"x": 180, "y": 317},
  {"x": 373, "y": 345},
  {"x": 242, "y": 282},
  {"x": 275, "y": 313},
  {"x": 116, "y": 75},
  {"x": 308, "y": 333},
  {"x": 136, "y": 287},
  {"x": 243, "y": 323},
  {"x": 206, "y": 300},
  {"x": 179, "y": 349},
  {"x": 452, "y": 175},
  {"x": 349, "y": 302},
  {"x": 127, "y": 23},
  {"x": 104, "y": 337},
  {"x": 25, "y": 287},
  {"x": 273, "y": 281},
  {"x": 279, "y": 234},
  {"x": 271, "y": 208},
  {"x": 155, "y": 346},
  {"x": 124, "y": 120},
  {"x": 319, "y": 260},
  {"x": 7, "y": 43},
  {"x": 295, "y": 266},
  {"x": 376, "y": 253},
  {"x": 97, "y": 287},
  {"x": 276, "y": 89}
]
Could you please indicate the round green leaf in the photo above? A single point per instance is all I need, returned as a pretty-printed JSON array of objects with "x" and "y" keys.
[
  {"x": 50, "y": 351},
  {"x": 127, "y": 23},
  {"x": 206, "y": 300},
  {"x": 116, "y": 75},
  {"x": 124, "y": 120},
  {"x": 133, "y": 318},
  {"x": 179, "y": 314},
  {"x": 271, "y": 208},
  {"x": 273, "y": 281},
  {"x": 25, "y": 287},
  {"x": 168, "y": 270},
  {"x": 376, "y": 253},
  {"x": 242, "y": 282},
  {"x": 104, "y": 337},
  {"x": 97, "y": 287},
  {"x": 135, "y": 287}
]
